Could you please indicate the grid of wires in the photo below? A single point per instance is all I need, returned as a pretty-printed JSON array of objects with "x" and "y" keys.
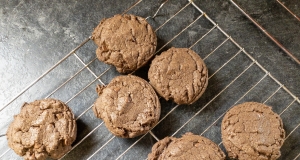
[{"x": 234, "y": 77}]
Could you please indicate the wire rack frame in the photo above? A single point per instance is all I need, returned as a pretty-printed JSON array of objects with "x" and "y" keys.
[{"x": 98, "y": 78}]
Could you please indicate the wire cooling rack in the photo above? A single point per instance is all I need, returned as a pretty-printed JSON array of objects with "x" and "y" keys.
[{"x": 234, "y": 77}]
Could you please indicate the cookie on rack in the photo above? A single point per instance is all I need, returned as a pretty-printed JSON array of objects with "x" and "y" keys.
[
  {"x": 128, "y": 105},
  {"x": 252, "y": 130},
  {"x": 125, "y": 41},
  {"x": 179, "y": 74},
  {"x": 43, "y": 128},
  {"x": 189, "y": 146}
]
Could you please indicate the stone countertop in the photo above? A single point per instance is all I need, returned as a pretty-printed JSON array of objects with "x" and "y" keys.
[{"x": 36, "y": 35}]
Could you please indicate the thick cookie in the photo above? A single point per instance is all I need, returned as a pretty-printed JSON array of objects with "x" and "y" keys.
[
  {"x": 189, "y": 146},
  {"x": 128, "y": 105},
  {"x": 125, "y": 41},
  {"x": 252, "y": 131},
  {"x": 43, "y": 128},
  {"x": 179, "y": 74}
]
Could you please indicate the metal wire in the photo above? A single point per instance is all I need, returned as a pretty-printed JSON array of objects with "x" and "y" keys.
[
  {"x": 71, "y": 78},
  {"x": 88, "y": 68},
  {"x": 292, "y": 130},
  {"x": 216, "y": 48},
  {"x": 102, "y": 147},
  {"x": 267, "y": 33},
  {"x": 155, "y": 14},
  {"x": 153, "y": 135},
  {"x": 203, "y": 36},
  {"x": 179, "y": 33},
  {"x": 287, "y": 107},
  {"x": 97, "y": 78},
  {"x": 272, "y": 93},
  {"x": 288, "y": 10},
  {"x": 225, "y": 64},
  {"x": 136, "y": 3},
  {"x": 5, "y": 152},
  {"x": 172, "y": 17},
  {"x": 86, "y": 136},
  {"x": 297, "y": 156}
]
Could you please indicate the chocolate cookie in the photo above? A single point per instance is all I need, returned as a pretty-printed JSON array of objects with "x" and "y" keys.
[
  {"x": 125, "y": 41},
  {"x": 189, "y": 146},
  {"x": 252, "y": 131},
  {"x": 43, "y": 128},
  {"x": 128, "y": 105},
  {"x": 179, "y": 74}
]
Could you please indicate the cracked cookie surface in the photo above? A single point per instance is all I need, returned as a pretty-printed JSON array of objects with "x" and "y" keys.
[
  {"x": 128, "y": 105},
  {"x": 179, "y": 74},
  {"x": 252, "y": 130},
  {"x": 189, "y": 146},
  {"x": 125, "y": 41},
  {"x": 43, "y": 128}
]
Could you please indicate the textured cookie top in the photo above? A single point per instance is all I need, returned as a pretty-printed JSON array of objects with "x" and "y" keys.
[
  {"x": 128, "y": 105},
  {"x": 179, "y": 74},
  {"x": 189, "y": 146},
  {"x": 43, "y": 128},
  {"x": 252, "y": 131},
  {"x": 125, "y": 41}
]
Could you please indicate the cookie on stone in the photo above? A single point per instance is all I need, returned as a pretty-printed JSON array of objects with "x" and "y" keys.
[
  {"x": 189, "y": 146},
  {"x": 179, "y": 74},
  {"x": 125, "y": 41},
  {"x": 128, "y": 105},
  {"x": 252, "y": 130},
  {"x": 43, "y": 128}
]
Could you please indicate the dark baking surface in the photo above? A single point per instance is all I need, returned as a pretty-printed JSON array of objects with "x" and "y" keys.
[{"x": 36, "y": 35}]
